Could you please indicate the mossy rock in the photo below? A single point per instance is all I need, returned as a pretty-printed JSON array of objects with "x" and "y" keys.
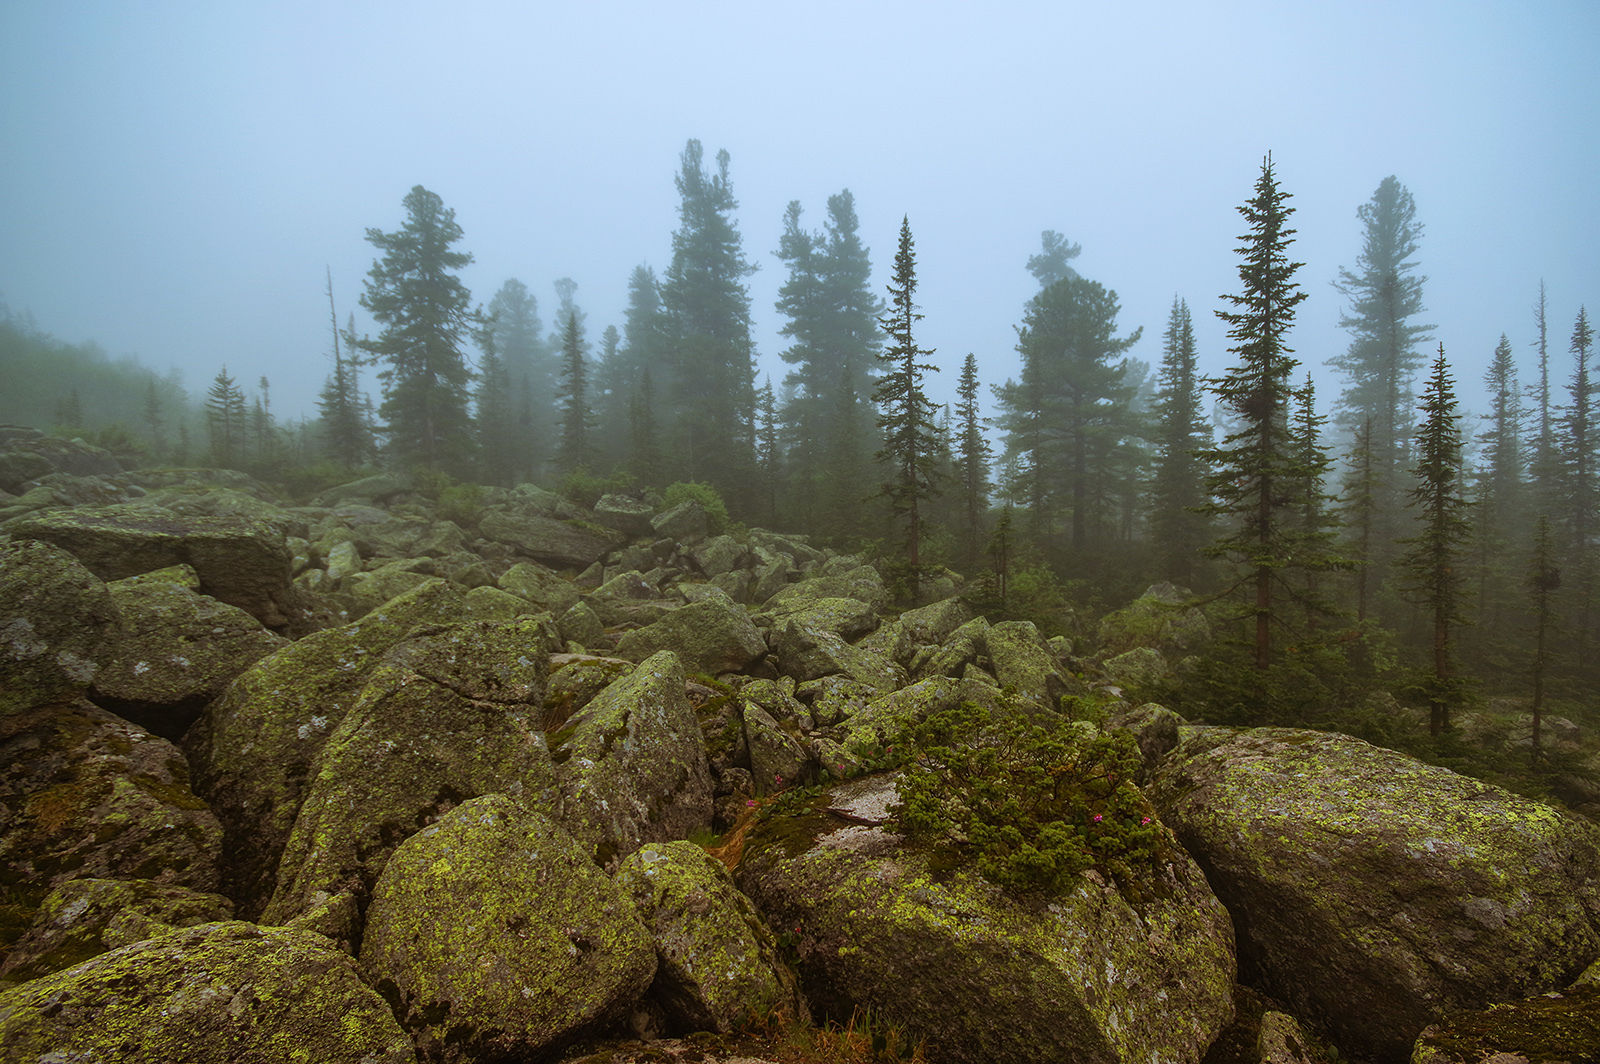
[
  {"x": 1375, "y": 893},
  {"x": 174, "y": 652},
  {"x": 1561, "y": 1027},
  {"x": 965, "y": 647},
  {"x": 709, "y": 636},
  {"x": 253, "y": 748},
  {"x": 1024, "y": 662},
  {"x": 221, "y": 993},
  {"x": 1089, "y": 976},
  {"x": 55, "y": 616},
  {"x": 542, "y": 587},
  {"x": 1160, "y": 619},
  {"x": 85, "y": 794},
  {"x": 808, "y": 653},
  {"x": 632, "y": 764},
  {"x": 860, "y": 582},
  {"x": 494, "y": 936},
  {"x": 451, "y": 713},
  {"x": 559, "y": 544},
  {"x": 242, "y": 561},
  {"x": 87, "y": 917},
  {"x": 719, "y": 966}
]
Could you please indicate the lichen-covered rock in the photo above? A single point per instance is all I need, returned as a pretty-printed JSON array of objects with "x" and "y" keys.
[
  {"x": 628, "y": 598},
  {"x": 687, "y": 523},
  {"x": 1555, "y": 1028},
  {"x": 1139, "y": 669},
  {"x": 718, "y": 966},
  {"x": 932, "y": 624},
  {"x": 1024, "y": 663},
  {"x": 581, "y": 625},
  {"x": 1375, "y": 893},
  {"x": 496, "y": 938},
  {"x": 241, "y": 561},
  {"x": 711, "y": 636},
  {"x": 408, "y": 537},
  {"x": 624, "y": 514},
  {"x": 560, "y": 544},
  {"x": 719, "y": 555},
  {"x": 222, "y": 993},
  {"x": 174, "y": 652},
  {"x": 884, "y": 719},
  {"x": 87, "y": 795},
  {"x": 451, "y": 713},
  {"x": 1089, "y": 976},
  {"x": 252, "y": 749},
  {"x": 374, "y": 587},
  {"x": 632, "y": 764},
  {"x": 1161, "y": 619},
  {"x": 54, "y": 617},
  {"x": 1282, "y": 1041},
  {"x": 87, "y": 917},
  {"x": 862, "y": 583},
  {"x": 777, "y": 757},
  {"x": 964, "y": 647},
  {"x": 1154, "y": 728},
  {"x": 545, "y": 589},
  {"x": 807, "y": 653}
]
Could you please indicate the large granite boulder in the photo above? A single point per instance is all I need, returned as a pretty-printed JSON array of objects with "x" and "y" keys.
[
  {"x": 496, "y": 938},
  {"x": 451, "y": 713},
  {"x": 625, "y": 514},
  {"x": 808, "y": 653},
  {"x": 712, "y": 636},
  {"x": 559, "y": 544},
  {"x": 1024, "y": 662},
  {"x": 1559, "y": 1027},
  {"x": 718, "y": 966},
  {"x": 175, "y": 650},
  {"x": 86, "y": 917},
  {"x": 241, "y": 561},
  {"x": 1375, "y": 893},
  {"x": 632, "y": 764},
  {"x": 545, "y": 589},
  {"x": 862, "y": 583},
  {"x": 54, "y": 617},
  {"x": 1162, "y": 619},
  {"x": 221, "y": 993},
  {"x": 253, "y": 748},
  {"x": 1099, "y": 974}
]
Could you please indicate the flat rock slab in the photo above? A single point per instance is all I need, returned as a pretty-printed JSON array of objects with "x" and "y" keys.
[{"x": 241, "y": 561}]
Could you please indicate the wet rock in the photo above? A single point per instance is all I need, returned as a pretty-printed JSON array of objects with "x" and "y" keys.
[
  {"x": 1023, "y": 662},
  {"x": 1375, "y": 893},
  {"x": 240, "y": 561},
  {"x": 807, "y": 653},
  {"x": 861, "y": 582},
  {"x": 686, "y": 523},
  {"x": 86, "y": 917},
  {"x": 174, "y": 652},
  {"x": 1560, "y": 1026},
  {"x": 545, "y": 589},
  {"x": 54, "y": 619},
  {"x": 718, "y": 967},
  {"x": 496, "y": 938},
  {"x": 452, "y": 712},
  {"x": 559, "y": 544},
  {"x": 1154, "y": 728},
  {"x": 632, "y": 764},
  {"x": 253, "y": 748},
  {"x": 1089, "y": 976},
  {"x": 1160, "y": 619},
  {"x": 87, "y": 795},
  {"x": 221, "y": 993},
  {"x": 712, "y": 636},
  {"x": 625, "y": 514}
]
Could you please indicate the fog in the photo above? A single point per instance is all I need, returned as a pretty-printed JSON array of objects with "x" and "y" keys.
[{"x": 176, "y": 177}]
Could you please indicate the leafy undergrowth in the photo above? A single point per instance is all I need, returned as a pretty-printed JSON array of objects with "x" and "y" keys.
[{"x": 865, "y": 1039}]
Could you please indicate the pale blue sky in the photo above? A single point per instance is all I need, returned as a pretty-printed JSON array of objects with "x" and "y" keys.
[{"x": 175, "y": 176}]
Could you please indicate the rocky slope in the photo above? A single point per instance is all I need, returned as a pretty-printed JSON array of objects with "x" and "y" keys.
[{"x": 354, "y": 781}]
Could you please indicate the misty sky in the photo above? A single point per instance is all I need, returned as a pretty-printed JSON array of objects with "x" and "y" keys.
[{"x": 175, "y": 176}]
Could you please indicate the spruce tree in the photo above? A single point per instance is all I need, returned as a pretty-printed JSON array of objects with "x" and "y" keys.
[
  {"x": 906, "y": 418},
  {"x": 414, "y": 292},
  {"x": 1544, "y": 579},
  {"x": 973, "y": 457},
  {"x": 1499, "y": 499},
  {"x": 530, "y": 367},
  {"x": 226, "y": 420},
  {"x": 768, "y": 456},
  {"x": 1317, "y": 521},
  {"x": 1578, "y": 447},
  {"x": 1053, "y": 263},
  {"x": 496, "y": 419},
  {"x": 1254, "y": 466},
  {"x": 346, "y": 434},
  {"x": 713, "y": 357},
  {"x": 1433, "y": 573},
  {"x": 154, "y": 419},
  {"x": 1178, "y": 526},
  {"x": 574, "y": 452}
]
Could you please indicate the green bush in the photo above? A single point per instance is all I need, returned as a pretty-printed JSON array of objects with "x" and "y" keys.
[
  {"x": 585, "y": 489},
  {"x": 708, "y": 497},
  {"x": 1032, "y": 806}
]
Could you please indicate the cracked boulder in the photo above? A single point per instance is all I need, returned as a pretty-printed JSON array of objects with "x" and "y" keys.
[
  {"x": 452, "y": 712},
  {"x": 55, "y": 616},
  {"x": 495, "y": 937}
]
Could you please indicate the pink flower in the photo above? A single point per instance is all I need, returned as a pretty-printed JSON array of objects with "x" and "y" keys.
[{"x": 1097, "y": 818}]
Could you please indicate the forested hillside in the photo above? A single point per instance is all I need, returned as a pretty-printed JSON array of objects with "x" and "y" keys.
[{"x": 1376, "y": 549}]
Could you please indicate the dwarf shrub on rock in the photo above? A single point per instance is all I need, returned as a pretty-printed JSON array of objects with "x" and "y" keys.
[{"x": 1033, "y": 806}]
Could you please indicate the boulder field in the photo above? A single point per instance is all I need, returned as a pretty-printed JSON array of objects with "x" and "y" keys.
[{"x": 351, "y": 781}]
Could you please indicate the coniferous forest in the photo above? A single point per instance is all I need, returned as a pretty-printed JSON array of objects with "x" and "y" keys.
[{"x": 1384, "y": 561}]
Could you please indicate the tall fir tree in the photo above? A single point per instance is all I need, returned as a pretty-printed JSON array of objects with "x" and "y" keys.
[
  {"x": 1178, "y": 526},
  {"x": 575, "y": 451},
  {"x": 1578, "y": 445},
  {"x": 1545, "y": 460},
  {"x": 154, "y": 420},
  {"x": 973, "y": 458},
  {"x": 414, "y": 292},
  {"x": 1544, "y": 580},
  {"x": 226, "y": 421},
  {"x": 1317, "y": 520},
  {"x": 906, "y": 418},
  {"x": 769, "y": 458},
  {"x": 713, "y": 357},
  {"x": 1053, "y": 263},
  {"x": 1385, "y": 295},
  {"x": 1254, "y": 465},
  {"x": 1072, "y": 411},
  {"x": 1434, "y": 575},
  {"x": 495, "y": 422},
  {"x": 346, "y": 433},
  {"x": 530, "y": 368},
  {"x": 1499, "y": 492}
]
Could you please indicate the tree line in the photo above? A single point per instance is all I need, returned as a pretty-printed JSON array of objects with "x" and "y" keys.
[{"x": 1386, "y": 528}]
